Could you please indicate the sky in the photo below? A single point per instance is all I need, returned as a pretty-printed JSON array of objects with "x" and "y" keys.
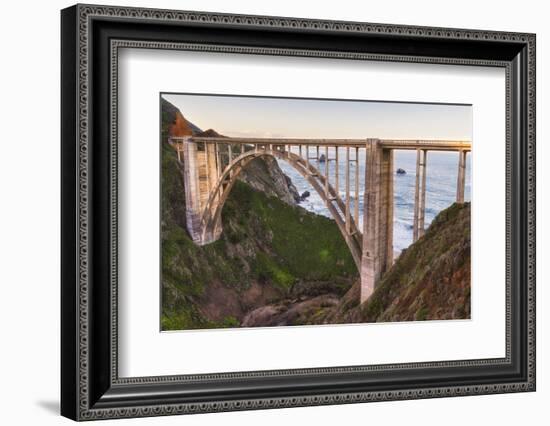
[{"x": 239, "y": 116}]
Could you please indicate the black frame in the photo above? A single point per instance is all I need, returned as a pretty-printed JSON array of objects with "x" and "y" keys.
[{"x": 90, "y": 387}]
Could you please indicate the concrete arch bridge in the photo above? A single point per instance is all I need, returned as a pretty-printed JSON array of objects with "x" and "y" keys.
[{"x": 212, "y": 165}]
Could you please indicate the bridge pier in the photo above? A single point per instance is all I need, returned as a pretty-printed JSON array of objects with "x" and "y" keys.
[
  {"x": 461, "y": 178},
  {"x": 200, "y": 174},
  {"x": 420, "y": 194},
  {"x": 377, "y": 254}
]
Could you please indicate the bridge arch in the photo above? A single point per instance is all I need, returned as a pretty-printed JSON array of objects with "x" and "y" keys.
[{"x": 211, "y": 216}]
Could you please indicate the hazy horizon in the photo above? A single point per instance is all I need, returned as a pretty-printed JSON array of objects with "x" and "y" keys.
[{"x": 240, "y": 116}]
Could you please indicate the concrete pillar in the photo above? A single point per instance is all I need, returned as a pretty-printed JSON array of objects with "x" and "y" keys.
[
  {"x": 377, "y": 256},
  {"x": 192, "y": 192},
  {"x": 461, "y": 178},
  {"x": 213, "y": 174},
  {"x": 336, "y": 172},
  {"x": 356, "y": 203},
  {"x": 421, "y": 213},
  {"x": 317, "y": 156},
  {"x": 326, "y": 174},
  {"x": 419, "y": 194},
  {"x": 347, "y": 212},
  {"x": 200, "y": 174},
  {"x": 217, "y": 157},
  {"x": 416, "y": 196},
  {"x": 212, "y": 165},
  {"x": 388, "y": 173}
]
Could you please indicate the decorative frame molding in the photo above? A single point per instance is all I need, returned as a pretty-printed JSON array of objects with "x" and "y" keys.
[{"x": 91, "y": 388}]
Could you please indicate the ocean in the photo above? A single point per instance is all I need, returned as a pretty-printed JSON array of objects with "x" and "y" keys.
[{"x": 442, "y": 169}]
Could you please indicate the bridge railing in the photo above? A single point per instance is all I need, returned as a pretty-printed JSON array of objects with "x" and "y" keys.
[{"x": 405, "y": 144}]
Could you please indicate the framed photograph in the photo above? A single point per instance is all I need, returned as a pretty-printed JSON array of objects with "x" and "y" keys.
[{"x": 263, "y": 212}]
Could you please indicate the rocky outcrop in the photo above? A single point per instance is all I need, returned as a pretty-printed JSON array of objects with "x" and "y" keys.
[
  {"x": 291, "y": 312},
  {"x": 306, "y": 303},
  {"x": 305, "y": 195},
  {"x": 264, "y": 174},
  {"x": 210, "y": 133},
  {"x": 174, "y": 123}
]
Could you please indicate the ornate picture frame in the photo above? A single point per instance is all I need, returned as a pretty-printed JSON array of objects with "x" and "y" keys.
[{"x": 91, "y": 37}]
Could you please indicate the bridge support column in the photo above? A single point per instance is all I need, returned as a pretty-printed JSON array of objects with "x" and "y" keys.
[
  {"x": 211, "y": 165},
  {"x": 199, "y": 176},
  {"x": 213, "y": 175},
  {"x": 192, "y": 191},
  {"x": 377, "y": 256},
  {"x": 419, "y": 194},
  {"x": 461, "y": 178}
]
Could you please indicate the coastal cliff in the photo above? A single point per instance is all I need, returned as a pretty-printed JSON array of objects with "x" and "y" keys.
[{"x": 432, "y": 278}]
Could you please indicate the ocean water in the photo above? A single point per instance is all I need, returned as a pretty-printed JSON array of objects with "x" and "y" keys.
[{"x": 442, "y": 170}]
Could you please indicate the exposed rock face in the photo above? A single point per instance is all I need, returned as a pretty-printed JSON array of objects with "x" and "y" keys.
[
  {"x": 210, "y": 133},
  {"x": 290, "y": 312},
  {"x": 264, "y": 174},
  {"x": 304, "y": 195},
  {"x": 306, "y": 303},
  {"x": 178, "y": 125}
]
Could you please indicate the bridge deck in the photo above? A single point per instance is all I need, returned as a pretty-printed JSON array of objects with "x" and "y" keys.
[{"x": 406, "y": 144}]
